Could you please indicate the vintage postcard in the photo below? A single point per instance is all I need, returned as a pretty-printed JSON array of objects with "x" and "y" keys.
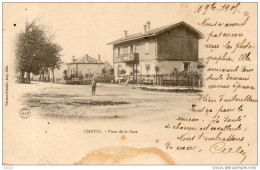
[{"x": 130, "y": 83}]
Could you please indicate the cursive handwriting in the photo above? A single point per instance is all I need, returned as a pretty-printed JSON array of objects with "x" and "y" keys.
[{"x": 220, "y": 147}]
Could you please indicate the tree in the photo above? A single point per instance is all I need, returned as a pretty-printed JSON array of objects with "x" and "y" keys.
[
  {"x": 53, "y": 57},
  {"x": 201, "y": 63},
  {"x": 35, "y": 52},
  {"x": 104, "y": 71},
  {"x": 122, "y": 72},
  {"x": 28, "y": 49},
  {"x": 147, "y": 67},
  {"x": 111, "y": 71},
  {"x": 157, "y": 69}
]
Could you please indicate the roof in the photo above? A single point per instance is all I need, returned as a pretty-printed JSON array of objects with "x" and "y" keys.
[
  {"x": 154, "y": 32},
  {"x": 86, "y": 60}
]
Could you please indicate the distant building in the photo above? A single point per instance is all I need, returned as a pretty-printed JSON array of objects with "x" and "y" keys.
[
  {"x": 86, "y": 66},
  {"x": 157, "y": 51}
]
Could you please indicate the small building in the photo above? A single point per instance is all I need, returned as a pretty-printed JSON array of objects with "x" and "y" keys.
[
  {"x": 157, "y": 51},
  {"x": 85, "y": 66}
]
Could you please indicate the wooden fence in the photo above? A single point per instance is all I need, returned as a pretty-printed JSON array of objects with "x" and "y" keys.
[{"x": 188, "y": 79}]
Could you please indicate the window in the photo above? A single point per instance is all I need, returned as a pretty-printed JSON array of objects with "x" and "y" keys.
[
  {"x": 116, "y": 52},
  {"x": 186, "y": 66},
  {"x": 147, "y": 47},
  {"x": 131, "y": 49}
]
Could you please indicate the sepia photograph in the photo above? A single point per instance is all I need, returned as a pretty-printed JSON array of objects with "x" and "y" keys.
[{"x": 129, "y": 83}]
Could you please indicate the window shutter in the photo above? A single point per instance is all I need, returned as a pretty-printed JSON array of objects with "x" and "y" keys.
[
  {"x": 134, "y": 49},
  {"x": 147, "y": 48},
  {"x": 116, "y": 53},
  {"x": 182, "y": 67},
  {"x": 129, "y": 49}
]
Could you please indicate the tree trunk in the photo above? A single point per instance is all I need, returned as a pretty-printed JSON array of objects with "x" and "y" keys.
[
  {"x": 22, "y": 75},
  {"x": 156, "y": 78},
  {"x": 29, "y": 77},
  {"x": 43, "y": 75},
  {"x": 52, "y": 70}
]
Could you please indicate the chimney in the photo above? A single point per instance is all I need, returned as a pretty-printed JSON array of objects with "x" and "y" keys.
[
  {"x": 148, "y": 25},
  {"x": 125, "y": 33},
  {"x": 144, "y": 28},
  {"x": 99, "y": 57},
  {"x": 73, "y": 59},
  {"x": 87, "y": 57}
]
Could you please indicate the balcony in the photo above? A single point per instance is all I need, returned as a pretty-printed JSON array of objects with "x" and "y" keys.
[{"x": 129, "y": 57}]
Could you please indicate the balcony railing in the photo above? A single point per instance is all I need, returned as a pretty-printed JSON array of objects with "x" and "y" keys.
[{"x": 129, "y": 57}]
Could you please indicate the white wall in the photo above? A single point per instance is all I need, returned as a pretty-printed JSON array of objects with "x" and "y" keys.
[
  {"x": 142, "y": 67},
  {"x": 165, "y": 67},
  {"x": 95, "y": 69}
]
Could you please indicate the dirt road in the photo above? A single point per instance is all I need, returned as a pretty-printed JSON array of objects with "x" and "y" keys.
[
  {"x": 111, "y": 102},
  {"x": 63, "y": 117}
]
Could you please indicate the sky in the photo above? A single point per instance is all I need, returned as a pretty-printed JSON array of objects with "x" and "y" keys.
[{"x": 86, "y": 28}]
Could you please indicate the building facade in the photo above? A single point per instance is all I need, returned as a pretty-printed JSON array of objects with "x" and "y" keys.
[
  {"x": 157, "y": 51},
  {"x": 86, "y": 66}
]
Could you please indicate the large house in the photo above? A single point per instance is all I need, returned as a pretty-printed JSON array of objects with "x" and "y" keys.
[
  {"x": 157, "y": 51},
  {"x": 86, "y": 66}
]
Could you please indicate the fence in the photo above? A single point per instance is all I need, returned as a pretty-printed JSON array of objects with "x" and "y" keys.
[
  {"x": 86, "y": 81},
  {"x": 178, "y": 79}
]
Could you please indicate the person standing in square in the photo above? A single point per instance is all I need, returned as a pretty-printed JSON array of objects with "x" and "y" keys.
[{"x": 93, "y": 85}]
